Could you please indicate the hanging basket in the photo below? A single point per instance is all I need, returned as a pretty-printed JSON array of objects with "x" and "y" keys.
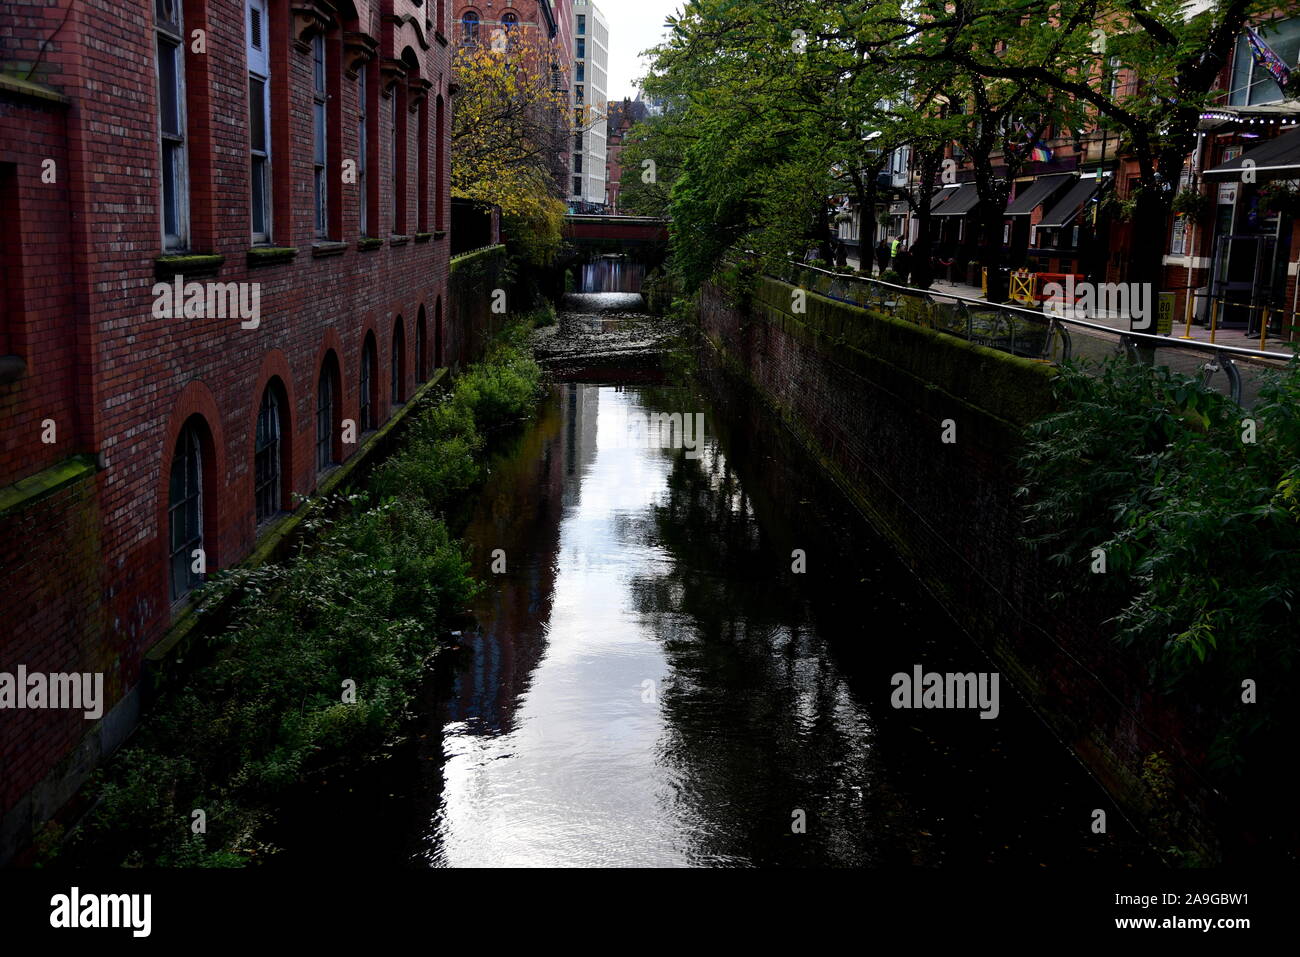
[
  {"x": 1191, "y": 203},
  {"x": 1280, "y": 196}
]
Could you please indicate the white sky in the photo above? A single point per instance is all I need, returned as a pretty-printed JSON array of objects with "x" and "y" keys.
[{"x": 634, "y": 25}]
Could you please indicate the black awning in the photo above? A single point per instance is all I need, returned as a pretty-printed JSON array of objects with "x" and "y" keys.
[
  {"x": 1032, "y": 195},
  {"x": 965, "y": 198},
  {"x": 1063, "y": 213},
  {"x": 1277, "y": 159},
  {"x": 942, "y": 196}
]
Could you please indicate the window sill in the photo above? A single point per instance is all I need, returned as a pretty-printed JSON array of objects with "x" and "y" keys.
[
  {"x": 440, "y": 234},
  {"x": 270, "y": 255},
  {"x": 398, "y": 240},
  {"x": 187, "y": 264},
  {"x": 367, "y": 243},
  {"x": 328, "y": 248},
  {"x": 423, "y": 237}
]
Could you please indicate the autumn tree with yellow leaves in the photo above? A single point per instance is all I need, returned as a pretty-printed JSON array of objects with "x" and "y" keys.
[{"x": 510, "y": 133}]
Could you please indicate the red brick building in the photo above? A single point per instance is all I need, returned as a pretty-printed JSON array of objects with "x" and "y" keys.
[
  {"x": 547, "y": 29},
  {"x": 289, "y": 157},
  {"x": 622, "y": 117},
  {"x": 1063, "y": 215}
]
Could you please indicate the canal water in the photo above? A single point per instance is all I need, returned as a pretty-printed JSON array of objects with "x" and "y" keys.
[{"x": 650, "y": 682}]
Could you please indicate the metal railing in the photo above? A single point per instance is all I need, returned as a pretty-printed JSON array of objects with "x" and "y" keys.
[{"x": 1235, "y": 371}]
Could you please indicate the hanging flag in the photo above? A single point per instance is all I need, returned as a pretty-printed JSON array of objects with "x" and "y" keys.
[
  {"x": 1041, "y": 153},
  {"x": 1264, "y": 56}
]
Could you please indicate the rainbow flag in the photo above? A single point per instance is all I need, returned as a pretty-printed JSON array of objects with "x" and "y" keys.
[
  {"x": 1041, "y": 153},
  {"x": 1264, "y": 56}
]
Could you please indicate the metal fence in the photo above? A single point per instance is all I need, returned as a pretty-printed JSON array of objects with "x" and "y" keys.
[{"x": 1236, "y": 372}]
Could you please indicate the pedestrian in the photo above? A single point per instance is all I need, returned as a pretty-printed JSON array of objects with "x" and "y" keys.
[
  {"x": 841, "y": 255},
  {"x": 893, "y": 249},
  {"x": 882, "y": 255},
  {"x": 903, "y": 264}
]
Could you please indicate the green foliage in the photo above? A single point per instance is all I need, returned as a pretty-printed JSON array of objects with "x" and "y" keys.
[
  {"x": 1199, "y": 528},
  {"x": 774, "y": 108},
  {"x": 660, "y": 139},
  {"x": 738, "y": 281},
  {"x": 365, "y": 603}
]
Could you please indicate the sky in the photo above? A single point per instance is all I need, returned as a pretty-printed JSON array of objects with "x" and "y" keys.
[{"x": 634, "y": 25}]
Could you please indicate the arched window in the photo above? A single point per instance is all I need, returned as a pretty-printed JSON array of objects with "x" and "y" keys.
[
  {"x": 368, "y": 397},
  {"x": 185, "y": 512},
  {"x": 469, "y": 28},
  {"x": 268, "y": 479},
  {"x": 399, "y": 363},
  {"x": 327, "y": 397},
  {"x": 421, "y": 341}
]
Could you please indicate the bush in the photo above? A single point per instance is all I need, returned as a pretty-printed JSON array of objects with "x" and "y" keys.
[
  {"x": 1199, "y": 530},
  {"x": 364, "y": 605}
]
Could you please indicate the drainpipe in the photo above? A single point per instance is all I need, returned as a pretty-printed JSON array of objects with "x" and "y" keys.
[
  {"x": 1197, "y": 159},
  {"x": 1295, "y": 300}
]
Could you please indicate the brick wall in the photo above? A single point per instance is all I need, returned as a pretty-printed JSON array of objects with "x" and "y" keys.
[
  {"x": 85, "y": 571},
  {"x": 869, "y": 396},
  {"x": 475, "y": 277}
]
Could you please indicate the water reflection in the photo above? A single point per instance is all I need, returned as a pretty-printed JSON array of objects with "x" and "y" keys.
[{"x": 650, "y": 684}]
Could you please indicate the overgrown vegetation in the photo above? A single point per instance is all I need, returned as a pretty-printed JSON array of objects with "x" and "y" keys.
[
  {"x": 1194, "y": 506},
  {"x": 324, "y": 652}
]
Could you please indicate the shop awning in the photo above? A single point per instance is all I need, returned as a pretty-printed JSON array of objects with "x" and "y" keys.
[
  {"x": 1277, "y": 159},
  {"x": 1069, "y": 205},
  {"x": 941, "y": 196},
  {"x": 1035, "y": 194},
  {"x": 965, "y": 197},
  {"x": 898, "y": 208}
]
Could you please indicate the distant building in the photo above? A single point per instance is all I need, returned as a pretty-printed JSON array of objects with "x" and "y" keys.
[
  {"x": 590, "y": 85},
  {"x": 548, "y": 20},
  {"x": 622, "y": 117},
  {"x": 652, "y": 105}
]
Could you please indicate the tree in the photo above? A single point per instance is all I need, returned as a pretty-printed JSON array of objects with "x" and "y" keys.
[
  {"x": 509, "y": 132},
  {"x": 1064, "y": 55},
  {"x": 777, "y": 104}
]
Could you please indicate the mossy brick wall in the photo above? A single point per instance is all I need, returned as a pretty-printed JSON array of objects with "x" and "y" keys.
[
  {"x": 475, "y": 276},
  {"x": 53, "y": 620},
  {"x": 868, "y": 395},
  {"x": 120, "y": 384}
]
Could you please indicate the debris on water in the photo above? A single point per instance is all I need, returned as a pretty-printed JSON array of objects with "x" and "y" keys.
[{"x": 607, "y": 325}]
